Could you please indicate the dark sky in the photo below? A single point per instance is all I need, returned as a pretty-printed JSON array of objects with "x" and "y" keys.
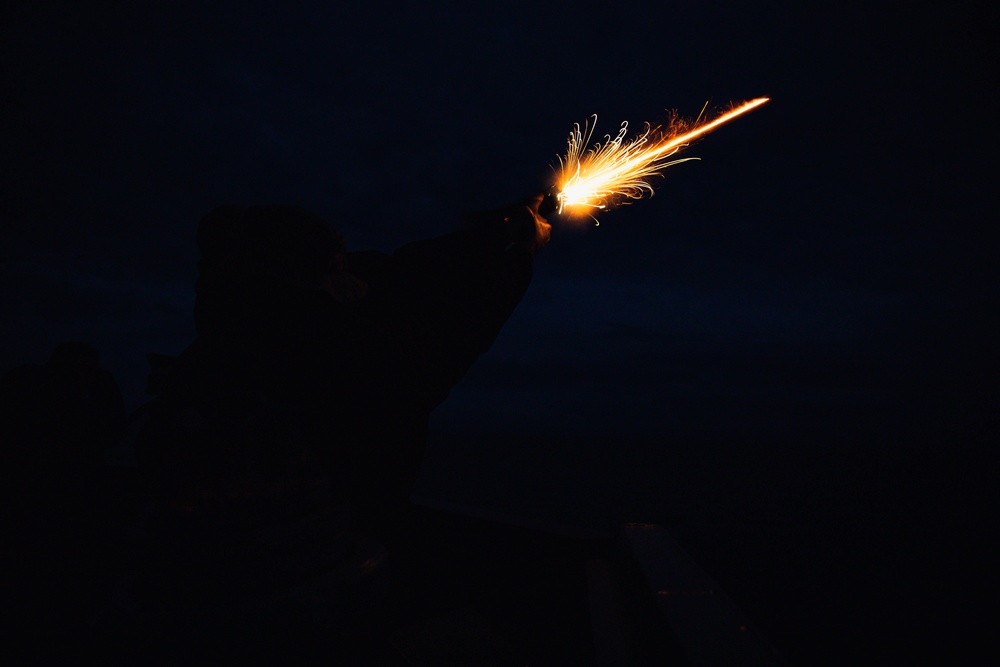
[{"x": 812, "y": 305}]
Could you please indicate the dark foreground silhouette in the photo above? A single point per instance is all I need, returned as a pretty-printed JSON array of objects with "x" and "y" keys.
[
  {"x": 257, "y": 509},
  {"x": 280, "y": 451},
  {"x": 58, "y": 421},
  {"x": 262, "y": 512}
]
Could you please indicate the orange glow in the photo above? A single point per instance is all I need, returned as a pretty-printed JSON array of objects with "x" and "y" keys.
[
  {"x": 619, "y": 169},
  {"x": 371, "y": 564}
]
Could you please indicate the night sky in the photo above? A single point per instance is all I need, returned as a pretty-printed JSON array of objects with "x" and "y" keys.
[{"x": 786, "y": 356}]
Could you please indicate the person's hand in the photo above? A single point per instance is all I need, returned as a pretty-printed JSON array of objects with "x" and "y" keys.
[
  {"x": 525, "y": 216},
  {"x": 521, "y": 223},
  {"x": 543, "y": 230}
]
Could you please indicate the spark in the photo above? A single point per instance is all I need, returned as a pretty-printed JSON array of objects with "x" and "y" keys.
[{"x": 620, "y": 168}]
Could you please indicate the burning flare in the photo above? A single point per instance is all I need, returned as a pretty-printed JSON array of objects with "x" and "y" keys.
[{"x": 621, "y": 168}]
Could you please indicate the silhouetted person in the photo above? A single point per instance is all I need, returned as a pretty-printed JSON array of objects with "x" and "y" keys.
[
  {"x": 64, "y": 413},
  {"x": 57, "y": 422},
  {"x": 283, "y": 443}
]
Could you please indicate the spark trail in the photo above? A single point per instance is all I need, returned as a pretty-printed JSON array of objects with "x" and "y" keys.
[{"x": 603, "y": 176}]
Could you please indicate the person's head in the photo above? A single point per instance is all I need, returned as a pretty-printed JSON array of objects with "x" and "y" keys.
[
  {"x": 252, "y": 256},
  {"x": 277, "y": 243}
]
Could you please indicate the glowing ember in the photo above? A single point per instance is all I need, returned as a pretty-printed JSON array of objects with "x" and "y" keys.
[{"x": 620, "y": 169}]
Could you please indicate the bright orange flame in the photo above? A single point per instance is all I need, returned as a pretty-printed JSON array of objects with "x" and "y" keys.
[{"x": 605, "y": 174}]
